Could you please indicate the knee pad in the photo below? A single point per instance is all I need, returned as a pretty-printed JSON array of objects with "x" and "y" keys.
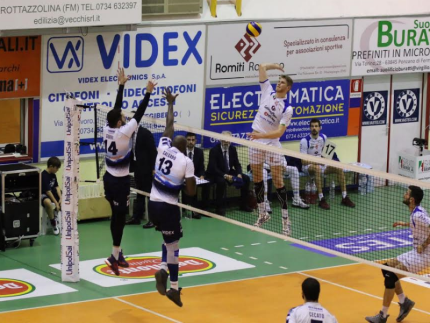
[
  {"x": 390, "y": 279},
  {"x": 172, "y": 252},
  {"x": 259, "y": 191}
]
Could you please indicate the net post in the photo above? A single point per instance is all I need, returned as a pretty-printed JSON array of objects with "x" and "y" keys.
[{"x": 95, "y": 142}]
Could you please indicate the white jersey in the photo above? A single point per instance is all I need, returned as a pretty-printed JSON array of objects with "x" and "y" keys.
[
  {"x": 272, "y": 111},
  {"x": 420, "y": 226},
  {"x": 310, "y": 312},
  {"x": 311, "y": 146},
  {"x": 118, "y": 148},
  {"x": 171, "y": 168}
]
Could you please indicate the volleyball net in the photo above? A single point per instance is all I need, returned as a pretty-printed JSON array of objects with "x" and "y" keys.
[{"x": 345, "y": 210}]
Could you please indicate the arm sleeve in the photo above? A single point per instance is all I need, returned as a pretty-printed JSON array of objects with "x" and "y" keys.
[
  {"x": 119, "y": 97},
  {"x": 129, "y": 128},
  {"x": 152, "y": 151},
  {"x": 304, "y": 146},
  {"x": 142, "y": 107},
  {"x": 287, "y": 116},
  {"x": 291, "y": 316},
  {"x": 56, "y": 182},
  {"x": 189, "y": 170},
  {"x": 45, "y": 183},
  {"x": 266, "y": 88},
  {"x": 237, "y": 164}
]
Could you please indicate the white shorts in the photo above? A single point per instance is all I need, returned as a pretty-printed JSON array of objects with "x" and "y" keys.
[
  {"x": 305, "y": 169},
  {"x": 415, "y": 262},
  {"x": 258, "y": 156}
]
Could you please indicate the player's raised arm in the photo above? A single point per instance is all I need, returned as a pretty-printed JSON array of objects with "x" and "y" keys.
[
  {"x": 263, "y": 68},
  {"x": 122, "y": 79},
  {"x": 170, "y": 98},
  {"x": 144, "y": 104}
]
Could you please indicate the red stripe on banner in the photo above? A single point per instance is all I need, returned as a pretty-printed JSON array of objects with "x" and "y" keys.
[{"x": 353, "y": 121}]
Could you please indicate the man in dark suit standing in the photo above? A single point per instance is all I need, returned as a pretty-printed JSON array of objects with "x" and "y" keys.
[
  {"x": 224, "y": 168},
  {"x": 197, "y": 156},
  {"x": 143, "y": 163}
]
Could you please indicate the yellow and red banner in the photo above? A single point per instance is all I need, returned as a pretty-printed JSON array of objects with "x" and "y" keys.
[{"x": 20, "y": 60}]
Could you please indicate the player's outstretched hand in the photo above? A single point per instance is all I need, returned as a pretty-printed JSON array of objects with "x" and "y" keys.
[
  {"x": 169, "y": 96},
  {"x": 400, "y": 224},
  {"x": 150, "y": 86},
  {"x": 279, "y": 67},
  {"x": 254, "y": 135},
  {"x": 122, "y": 78}
]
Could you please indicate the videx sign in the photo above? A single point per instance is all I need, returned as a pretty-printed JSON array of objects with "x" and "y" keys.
[
  {"x": 391, "y": 45},
  {"x": 30, "y": 14}
]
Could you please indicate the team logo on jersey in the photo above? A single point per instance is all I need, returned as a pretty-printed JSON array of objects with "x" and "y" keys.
[
  {"x": 14, "y": 287},
  {"x": 145, "y": 267},
  {"x": 247, "y": 47}
]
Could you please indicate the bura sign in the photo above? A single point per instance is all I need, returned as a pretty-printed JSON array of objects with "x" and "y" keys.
[
  {"x": 391, "y": 46},
  {"x": 14, "y": 287},
  {"x": 145, "y": 267}
]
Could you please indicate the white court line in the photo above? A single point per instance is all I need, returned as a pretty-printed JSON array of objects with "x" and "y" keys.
[
  {"x": 356, "y": 290},
  {"x": 255, "y": 244},
  {"x": 283, "y": 267},
  {"x": 239, "y": 246},
  {"x": 154, "y": 292},
  {"x": 336, "y": 233},
  {"x": 303, "y": 238},
  {"x": 381, "y": 228},
  {"x": 238, "y": 253},
  {"x": 146, "y": 310},
  {"x": 319, "y": 236},
  {"x": 269, "y": 263},
  {"x": 253, "y": 258},
  {"x": 368, "y": 230},
  {"x": 271, "y": 241},
  {"x": 224, "y": 249},
  {"x": 352, "y": 231}
]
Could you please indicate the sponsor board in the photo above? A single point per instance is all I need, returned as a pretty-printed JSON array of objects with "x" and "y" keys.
[
  {"x": 306, "y": 50},
  {"x": 172, "y": 56},
  {"x": 192, "y": 262},
  {"x": 389, "y": 46},
  {"x": 24, "y": 14},
  {"x": 418, "y": 282},
  {"x": 20, "y": 66},
  {"x": 406, "y": 107},
  {"x": 22, "y": 283},
  {"x": 375, "y": 106},
  {"x": 235, "y": 108}
]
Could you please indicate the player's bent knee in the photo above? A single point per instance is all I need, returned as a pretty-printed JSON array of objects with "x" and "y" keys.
[{"x": 390, "y": 279}]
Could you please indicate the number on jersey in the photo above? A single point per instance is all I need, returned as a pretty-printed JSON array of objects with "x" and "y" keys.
[
  {"x": 112, "y": 148},
  {"x": 165, "y": 166}
]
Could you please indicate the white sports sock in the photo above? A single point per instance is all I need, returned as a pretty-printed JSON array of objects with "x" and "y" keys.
[
  {"x": 385, "y": 311},
  {"x": 261, "y": 208},
  {"x": 343, "y": 194},
  {"x": 164, "y": 266},
  {"x": 296, "y": 195},
  {"x": 402, "y": 298},
  {"x": 321, "y": 196},
  {"x": 174, "y": 285},
  {"x": 115, "y": 252}
]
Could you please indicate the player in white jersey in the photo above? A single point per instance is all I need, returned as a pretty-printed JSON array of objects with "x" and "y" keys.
[
  {"x": 416, "y": 261},
  {"x": 272, "y": 119},
  {"x": 116, "y": 136},
  {"x": 172, "y": 168},
  {"x": 311, "y": 311},
  {"x": 312, "y": 145}
]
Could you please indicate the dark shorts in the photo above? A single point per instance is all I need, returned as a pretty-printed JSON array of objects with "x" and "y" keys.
[
  {"x": 167, "y": 219},
  {"x": 44, "y": 197},
  {"x": 117, "y": 189}
]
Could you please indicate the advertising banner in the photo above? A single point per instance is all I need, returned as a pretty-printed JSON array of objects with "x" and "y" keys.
[
  {"x": 20, "y": 67},
  {"x": 306, "y": 49},
  {"x": 406, "y": 107},
  {"x": 87, "y": 67},
  {"x": 375, "y": 108},
  {"x": 234, "y": 109},
  {"x": 391, "y": 45},
  {"x": 30, "y": 14}
]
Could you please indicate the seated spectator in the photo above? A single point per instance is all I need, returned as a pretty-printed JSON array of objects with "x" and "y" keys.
[
  {"x": 313, "y": 144},
  {"x": 51, "y": 192},
  {"x": 224, "y": 168},
  {"x": 198, "y": 158}
]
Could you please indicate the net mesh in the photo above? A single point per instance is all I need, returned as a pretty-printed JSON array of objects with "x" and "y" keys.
[{"x": 359, "y": 227}]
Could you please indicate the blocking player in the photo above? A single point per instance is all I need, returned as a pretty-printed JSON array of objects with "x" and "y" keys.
[
  {"x": 172, "y": 168},
  {"x": 272, "y": 119},
  {"x": 312, "y": 145},
  {"x": 415, "y": 261},
  {"x": 117, "y": 139},
  {"x": 311, "y": 311}
]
